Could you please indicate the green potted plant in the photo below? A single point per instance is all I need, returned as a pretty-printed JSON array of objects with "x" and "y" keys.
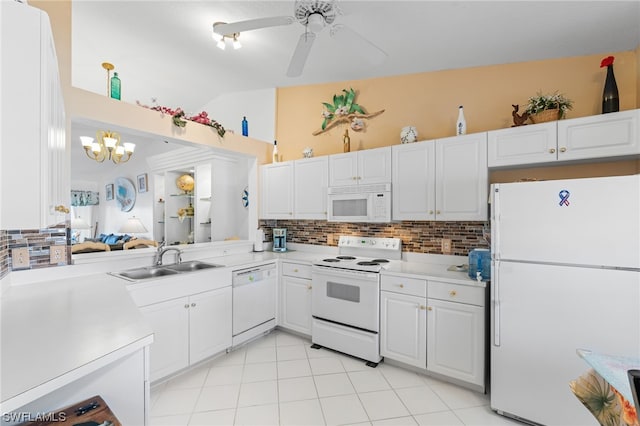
[{"x": 542, "y": 108}]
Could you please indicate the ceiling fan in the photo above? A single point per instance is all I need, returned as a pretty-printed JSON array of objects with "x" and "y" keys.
[{"x": 314, "y": 15}]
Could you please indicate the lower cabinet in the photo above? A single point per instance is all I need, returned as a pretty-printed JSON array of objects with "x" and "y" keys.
[
  {"x": 456, "y": 332},
  {"x": 188, "y": 329},
  {"x": 403, "y": 328},
  {"x": 295, "y": 297},
  {"x": 434, "y": 325}
]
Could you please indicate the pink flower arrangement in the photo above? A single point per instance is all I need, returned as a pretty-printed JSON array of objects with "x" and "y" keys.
[
  {"x": 179, "y": 117},
  {"x": 607, "y": 61}
]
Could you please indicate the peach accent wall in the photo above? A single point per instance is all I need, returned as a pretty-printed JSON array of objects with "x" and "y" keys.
[
  {"x": 430, "y": 100},
  {"x": 638, "y": 76}
]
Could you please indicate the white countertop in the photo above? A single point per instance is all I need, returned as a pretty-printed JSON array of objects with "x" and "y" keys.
[
  {"x": 417, "y": 267},
  {"x": 55, "y": 330},
  {"x": 52, "y": 332},
  {"x": 433, "y": 271},
  {"x": 247, "y": 260}
]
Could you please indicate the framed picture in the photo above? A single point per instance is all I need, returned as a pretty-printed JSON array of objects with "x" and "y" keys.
[
  {"x": 108, "y": 191},
  {"x": 142, "y": 183}
]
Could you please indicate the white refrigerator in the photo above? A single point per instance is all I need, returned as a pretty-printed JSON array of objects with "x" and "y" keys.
[{"x": 565, "y": 275}]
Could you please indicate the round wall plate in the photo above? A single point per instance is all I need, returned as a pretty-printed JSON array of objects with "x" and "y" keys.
[{"x": 125, "y": 193}]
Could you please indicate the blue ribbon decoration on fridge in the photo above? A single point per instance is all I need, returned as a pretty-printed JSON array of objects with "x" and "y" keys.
[{"x": 564, "y": 197}]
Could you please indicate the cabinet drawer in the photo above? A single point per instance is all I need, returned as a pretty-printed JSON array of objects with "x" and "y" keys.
[
  {"x": 296, "y": 270},
  {"x": 456, "y": 293},
  {"x": 402, "y": 285}
]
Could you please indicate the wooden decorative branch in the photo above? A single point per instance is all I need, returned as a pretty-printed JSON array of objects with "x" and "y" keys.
[{"x": 346, "y": 119}]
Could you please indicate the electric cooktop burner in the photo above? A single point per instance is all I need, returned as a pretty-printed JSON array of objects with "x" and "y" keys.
[
  {"x": 366, "y": 263},
  {"x": 331, "y": 260},
  {"x": 380, "y": 260},
  {"x": 345, "y": 258}
]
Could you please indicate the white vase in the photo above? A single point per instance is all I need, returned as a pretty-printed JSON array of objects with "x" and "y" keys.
[{"x": 408, "y": 134}]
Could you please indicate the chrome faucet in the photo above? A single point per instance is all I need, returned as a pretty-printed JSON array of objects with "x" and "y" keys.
[{"x": 162, "y": 250}]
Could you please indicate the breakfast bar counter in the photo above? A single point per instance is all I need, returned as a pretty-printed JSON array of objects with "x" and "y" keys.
[{"x": 61, "y": 332}]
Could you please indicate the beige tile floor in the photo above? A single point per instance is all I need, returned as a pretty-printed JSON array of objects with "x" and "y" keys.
[{"x": 279, "y": 380}]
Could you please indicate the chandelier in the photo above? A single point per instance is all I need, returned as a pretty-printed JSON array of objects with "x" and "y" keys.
[{"x": 107, "y": 145}]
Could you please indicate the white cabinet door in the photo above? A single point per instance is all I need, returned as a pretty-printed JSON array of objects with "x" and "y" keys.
[
  {"x": 403, "y": 328},
  {"x": 413, "y": 181},
  {"x": 522, "y": 145},
  {"x": 170, "y": 324},
  {"x": 310, "y": 188},
  {"x": 209, "y": 323},
  {"x": 56, "y": 154},
  {"x": 374, "y": 166},
  {"x": 296, "y": 304},
  {"x": 455, "y": 340},
  {"x": 32, "y": 124},
  {"x": 462, "y": 178},
  {"x": 277, "y": 191},
  {"x": 343, "y": 169},
  {"x": 360, "y": 167},
  {"x": 599, "y": 136}
]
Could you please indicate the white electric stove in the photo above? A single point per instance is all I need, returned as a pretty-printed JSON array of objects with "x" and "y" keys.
[{"x": 346, "y": 296}]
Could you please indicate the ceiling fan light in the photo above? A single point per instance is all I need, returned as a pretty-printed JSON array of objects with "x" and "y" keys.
[
  {"x": 315, "y": 22},
  {"x": 236, "y": 43},
  {"x": 221, "y": 45}
]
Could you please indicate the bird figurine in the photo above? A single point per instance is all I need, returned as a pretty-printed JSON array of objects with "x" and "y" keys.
[{"x": 519, "y": 119}]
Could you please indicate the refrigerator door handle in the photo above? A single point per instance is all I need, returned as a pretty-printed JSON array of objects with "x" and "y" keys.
[
  {"x": 495, "y": 300},
  {"x": 495, "y": 223}
]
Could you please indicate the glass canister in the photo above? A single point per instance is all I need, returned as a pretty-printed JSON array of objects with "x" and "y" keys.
[{"x": 480, "y": 261}]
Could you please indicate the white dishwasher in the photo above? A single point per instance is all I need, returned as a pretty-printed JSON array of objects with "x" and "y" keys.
[{"x": 254, "y": 302}]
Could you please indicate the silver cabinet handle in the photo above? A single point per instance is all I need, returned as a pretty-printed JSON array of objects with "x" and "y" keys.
[
  {"x": 186, "y": 306},
  {"x": 563, "y": 149},
  {"x": 193, "y": 305}
]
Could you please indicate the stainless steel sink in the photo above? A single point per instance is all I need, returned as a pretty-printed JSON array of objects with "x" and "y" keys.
[
  {"x": 149, "y": 272},
  {"x": 145, "y": 273},
  {"x": 194, "y": 265}
]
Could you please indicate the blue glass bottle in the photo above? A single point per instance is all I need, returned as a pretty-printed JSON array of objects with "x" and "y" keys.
[{"x": 245, "y": 127}]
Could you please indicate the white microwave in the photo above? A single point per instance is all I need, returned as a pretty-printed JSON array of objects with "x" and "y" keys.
[{"x": 360, "y": 203}]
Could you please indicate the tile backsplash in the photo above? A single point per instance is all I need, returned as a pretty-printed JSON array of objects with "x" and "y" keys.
[
  {"x": 416, "y": 236},
  {"x": 38, "y": 242},
  {"x": 4, "y": 253}
]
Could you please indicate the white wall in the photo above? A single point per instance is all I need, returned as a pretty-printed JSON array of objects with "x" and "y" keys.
[
  {"x": 259, "y": 106},
  {"x": 110, "y": 217}
]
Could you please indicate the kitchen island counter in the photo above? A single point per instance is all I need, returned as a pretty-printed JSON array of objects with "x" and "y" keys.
[{"x": 54, "y": 333}]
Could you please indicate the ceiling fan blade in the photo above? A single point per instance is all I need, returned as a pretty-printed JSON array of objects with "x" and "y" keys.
[
  {"x": 252, "y": 24},
  {"x": 301, "y": 53},
  {"x": 358, "y": 44}
]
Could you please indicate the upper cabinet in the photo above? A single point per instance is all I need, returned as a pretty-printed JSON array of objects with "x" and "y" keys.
[
  {"x": 360, "y": 167},
  {"x": 443, "y": 179},
  {"x": 599, "y": 136},
  {"x": 310, "y": 179},
  {"x": 276, "y": 198},
  {"x": 34, "y": 179},
  {"x": 294, "y": 189}
]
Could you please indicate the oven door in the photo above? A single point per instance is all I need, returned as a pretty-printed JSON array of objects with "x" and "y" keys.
[
  {"x": 346, "y": 297},
  {"x": 349, "y": 207}
]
